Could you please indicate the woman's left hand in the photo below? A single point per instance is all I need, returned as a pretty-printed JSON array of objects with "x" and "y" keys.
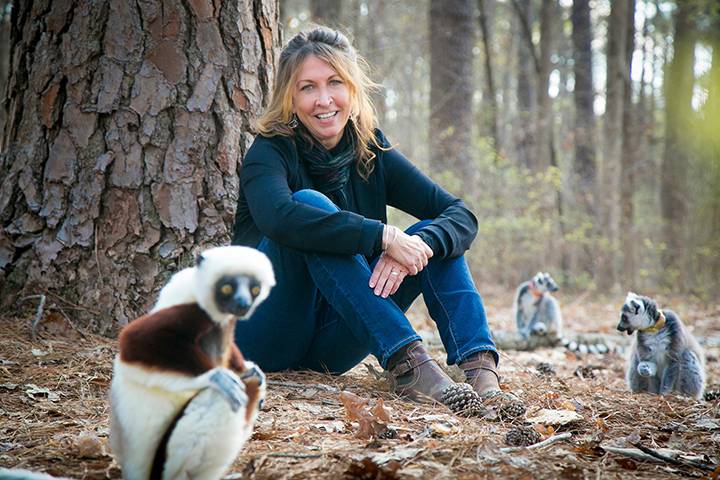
[{"x": 387, "y": 276}]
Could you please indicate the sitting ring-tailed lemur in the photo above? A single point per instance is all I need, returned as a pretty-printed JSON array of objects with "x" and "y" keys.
[
  {"x": 664, "y": 357},
  {"x": 536, "y": 310}
]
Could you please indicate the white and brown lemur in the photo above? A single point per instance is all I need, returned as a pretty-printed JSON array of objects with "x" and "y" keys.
[
  {"x": 183, "y": 399},
  {"x": 665, "y": 357},
  {"x": 536, "y": 310}
]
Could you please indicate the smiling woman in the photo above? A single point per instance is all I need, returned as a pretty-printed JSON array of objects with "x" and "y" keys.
[{"x": 315, "y": 186}]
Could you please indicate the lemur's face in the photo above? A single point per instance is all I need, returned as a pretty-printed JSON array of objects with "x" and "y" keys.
[
  {"x": 545, "y": 283},
  {"x": 634, "y": 315}
]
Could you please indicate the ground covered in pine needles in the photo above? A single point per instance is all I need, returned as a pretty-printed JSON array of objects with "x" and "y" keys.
[{"x": 54, "y": 412}]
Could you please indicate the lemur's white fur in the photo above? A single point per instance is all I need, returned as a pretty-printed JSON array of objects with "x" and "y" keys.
[
  {"x": 195, "y": 284},
  {"x": 145, "y": 399}
]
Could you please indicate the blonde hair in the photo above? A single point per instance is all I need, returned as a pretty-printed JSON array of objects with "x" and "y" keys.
[{"x": 334, "y": 48}]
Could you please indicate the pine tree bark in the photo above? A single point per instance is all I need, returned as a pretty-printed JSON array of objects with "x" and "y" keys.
[
  {"x": 524, "y": 133},
  {"x": 584, "y": 167},
  {"x": 4, "y": 55},
  {"x": 673, "y": 173},
  {"x": 544, "y": 116},
  {"x": 127, "y": 122},
  {"x": 452, "y": 37},
  {"x": 612, "y": 129},
  {"x": 492, "y": 104}
]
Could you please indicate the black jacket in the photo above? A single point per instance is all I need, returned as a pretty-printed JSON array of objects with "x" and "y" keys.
[{"x": 272, "y": 172}]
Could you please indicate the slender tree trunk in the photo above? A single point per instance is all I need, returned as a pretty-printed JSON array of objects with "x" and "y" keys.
[
  {"x": 544, "y": 115},
  {"x": 126, "y": 126},
  {"x": 584, "y": 167},
  {"x": 612, "y": 129},
  {"x": 5, "y": 6},
  {"x": 452, "y": 37},
  {"x": 327, "y": 12},
  {"x": 627, "y": 159},
  {"x": 678, "y": 111},
  {"x": 524, "y": 133},
  {"x": 492, "y": 105}
]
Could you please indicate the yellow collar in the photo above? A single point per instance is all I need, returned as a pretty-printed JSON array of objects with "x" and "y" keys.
[{"x": 658, "y": 325}]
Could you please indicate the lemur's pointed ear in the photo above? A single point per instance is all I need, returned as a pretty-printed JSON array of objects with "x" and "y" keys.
[{"x": 199, "y": 259}]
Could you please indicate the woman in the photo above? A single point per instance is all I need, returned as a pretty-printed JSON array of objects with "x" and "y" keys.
[{"x": 314, "y": 190}]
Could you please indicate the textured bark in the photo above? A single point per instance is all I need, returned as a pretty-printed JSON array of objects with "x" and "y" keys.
[
  {"x": 544, "y": 115},
  {"x": 612, "y": 130},
  {"x": 492, "y": 104},
  {"x": 127, "y": 122},
  {"x": 678, "y": 111},
  {"x": 627, "y": 159},
  {"x": 452, "y": 37},
  {"x": 584, "y": 167},
  {"x": 4, "y": 55}
]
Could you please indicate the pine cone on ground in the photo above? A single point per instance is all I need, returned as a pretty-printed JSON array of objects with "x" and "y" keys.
[
  {"x": 522, "y": 436},
  {"x": 512, "y": 410},
  {"x": 545, "y": 368},
  {"x": 711, "y": 395},
  {"x": 584, "y": 372},
  {"x": 462, "y": 400}
]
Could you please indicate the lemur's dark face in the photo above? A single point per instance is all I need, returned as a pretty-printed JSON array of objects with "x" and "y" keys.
[
  {"x": 634, "y": 315},
  {"x": 545, "y": 283},
  {"x": 236, "y": 294}
]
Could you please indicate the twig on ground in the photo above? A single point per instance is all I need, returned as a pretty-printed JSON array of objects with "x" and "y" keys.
[
  {"x": 38, "y": 314},
  {"x": 544, "y": 443},
  {"x": 293, "y": 455},
  {"x": 676, "y": 461},
  {"x": 318, "y": 386}
]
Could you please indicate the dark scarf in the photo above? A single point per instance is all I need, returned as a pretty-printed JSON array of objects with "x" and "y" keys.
[{"x": 330, "y": 169}]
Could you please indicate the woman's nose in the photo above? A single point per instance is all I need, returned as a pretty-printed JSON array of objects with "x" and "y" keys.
[{"x": 324, "y": 98}]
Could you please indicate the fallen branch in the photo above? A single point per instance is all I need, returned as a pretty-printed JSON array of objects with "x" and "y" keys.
[
  {"x": 318, "y": 386},
  {"x": 676, "y": 461},
  {"x": 544, "y": 443},
  {"x": 293, "y": 455},
  {"x": 643, "y": 454}
]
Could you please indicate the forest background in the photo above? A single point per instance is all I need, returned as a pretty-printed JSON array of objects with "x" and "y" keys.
[{"x": 584, "y": 134}]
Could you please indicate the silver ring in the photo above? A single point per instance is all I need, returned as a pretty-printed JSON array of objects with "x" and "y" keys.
[{"x": 394, "y": 273}]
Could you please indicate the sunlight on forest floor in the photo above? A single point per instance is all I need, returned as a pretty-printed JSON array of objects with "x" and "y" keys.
[{"x": 54, "y": 410}]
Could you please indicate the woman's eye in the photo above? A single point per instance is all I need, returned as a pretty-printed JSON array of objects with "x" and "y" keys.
[
  {"x": 226, "y": 289},
  {"x": 336, "y": 82},
  {"x": 306, "y": 88},
  {"x": 255, "y": 291}
]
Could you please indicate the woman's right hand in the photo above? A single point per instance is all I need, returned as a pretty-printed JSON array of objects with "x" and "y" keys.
[{"x": 408, "y": 250}]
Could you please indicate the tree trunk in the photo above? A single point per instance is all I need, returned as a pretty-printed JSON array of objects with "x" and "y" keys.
[
  {"x": 452, "y": 37},
  {"x": 5, "y": 6},
  {"x": 326, "y": 12},
  {"x": 525, "y": 135},
  {"x": 627, "y": 159},
  {"x": 126, "y": 126},
  {"x": 584, "y": 167},
  {"x": 609, "y": 188},
  {"x": 544, "y": 115},
  {"x": 491, "y": 115},
  {"x": 673, "y": 173}
]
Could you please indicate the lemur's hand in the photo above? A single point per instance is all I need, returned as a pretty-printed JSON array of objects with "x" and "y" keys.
[
  {"x": 409, "y": 250},
  {"x": 647, "y": 369},
  {"x": 387, "y": 276}
]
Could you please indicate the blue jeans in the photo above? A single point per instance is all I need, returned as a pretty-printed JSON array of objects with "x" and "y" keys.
[{"x": 323, "y": 316}]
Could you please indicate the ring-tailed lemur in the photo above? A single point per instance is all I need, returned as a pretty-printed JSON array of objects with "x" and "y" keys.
[
  {"x": 536, "y": 310},
  {"x": 183, "y": 398},
  {"x": 664, "y": 357}
]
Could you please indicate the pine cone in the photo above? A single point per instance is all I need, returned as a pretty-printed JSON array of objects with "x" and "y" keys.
[
  {"x": 545, "y": 368},
  {"x": 521, "y": 436},
  {"x": 512, "y": 410},
  {"x": 584, "y": 372},
  {"x": 462, "y": 400},
  {"x": 711, "y": 395}
]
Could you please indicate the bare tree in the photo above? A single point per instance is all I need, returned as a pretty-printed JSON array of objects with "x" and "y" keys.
[
  {"x": 492, "y": 104},
  {"x": 526, "y": 58},
  {"x": 327, "y": 12},
  {"x": 584, "y": 166},
  {"x": 127, "y": 122},
  {"x": 543, "y": 118},
  {"x": 452, "y": 37},
  {"x": 678, "y": 110},
  {"x": 627, "y": 159}
]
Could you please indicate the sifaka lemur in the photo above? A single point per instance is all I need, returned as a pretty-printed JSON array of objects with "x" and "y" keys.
[
  {"x": 665, "y": 357},
  {"x": 536, "y": 310},
  {"x": 183, "y": 398}
]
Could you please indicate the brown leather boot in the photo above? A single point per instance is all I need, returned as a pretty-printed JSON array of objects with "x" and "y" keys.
[
  {"x": 416, "y": 376},
  {"x": 481, "y": 372}
]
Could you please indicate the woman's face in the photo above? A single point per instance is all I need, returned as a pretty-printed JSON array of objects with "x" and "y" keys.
[{"x": 321, "y": 100}]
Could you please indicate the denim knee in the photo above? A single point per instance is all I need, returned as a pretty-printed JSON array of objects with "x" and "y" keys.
[{"x": 315, "y": 199}]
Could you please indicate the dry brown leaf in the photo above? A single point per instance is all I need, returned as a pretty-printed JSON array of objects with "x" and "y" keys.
[
  {"x": 354, "y": 405},
  {"x": 380, "y": 411},
  {"x": 88, "y": 445},
  {"x": 372, "y": 420},
  {"x": 544, "y": 430}
]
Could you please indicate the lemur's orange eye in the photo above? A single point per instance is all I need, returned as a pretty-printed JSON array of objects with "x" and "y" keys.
[
  {"x": 255, "y": 291},
  {"x": 226, "y": 289}
]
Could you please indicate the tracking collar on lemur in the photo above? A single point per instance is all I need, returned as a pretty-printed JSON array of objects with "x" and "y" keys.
[{"x": 659, "y": 324}]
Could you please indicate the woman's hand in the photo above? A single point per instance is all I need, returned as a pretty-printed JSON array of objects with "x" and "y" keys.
[
  {"x": 387, "y": 276},
  {"x": 409, "y": 250}
]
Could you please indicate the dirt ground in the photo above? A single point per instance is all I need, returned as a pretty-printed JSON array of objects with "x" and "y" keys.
[{"x": 54, "y": 411}]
